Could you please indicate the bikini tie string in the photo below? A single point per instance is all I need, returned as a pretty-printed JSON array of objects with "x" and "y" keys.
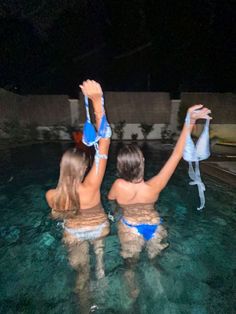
[
  {"x": 195, "y": 153},
  {"x": 98, "y": 156},
  {"x": 196, "y": 180},
  {"x": 91, "y": 137}
]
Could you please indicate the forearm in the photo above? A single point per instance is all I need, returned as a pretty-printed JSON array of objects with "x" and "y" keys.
[
  {"x": 160, "y": 180},
  {"x": 104, "y": 144},
  {"x": 98, "y": 111},
  {"x": 179, "y": 147}
]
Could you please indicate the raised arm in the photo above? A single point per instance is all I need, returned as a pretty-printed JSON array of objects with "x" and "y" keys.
[
  {"x": 93, "y": 90},
  {"x": 159, "y": 181}
]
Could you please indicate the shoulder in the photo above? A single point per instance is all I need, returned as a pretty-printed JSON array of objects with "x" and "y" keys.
[
  {"x": 117, "y": 187},
  {"x": 120, "y": 183}
]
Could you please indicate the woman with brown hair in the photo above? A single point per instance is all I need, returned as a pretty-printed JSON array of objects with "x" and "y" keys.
[
  {"x": 77, "y": 199},
  {"x": 140, "y": 224}
]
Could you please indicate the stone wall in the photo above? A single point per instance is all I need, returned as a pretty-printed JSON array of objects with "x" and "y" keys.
[
  {"x": 223, "y": 107},
  {"x": 135, "y": 108},
  {"x": 45, "y": 110}
]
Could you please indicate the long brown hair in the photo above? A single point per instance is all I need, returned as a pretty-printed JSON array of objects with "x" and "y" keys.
[{"x": 73, "y": 167}]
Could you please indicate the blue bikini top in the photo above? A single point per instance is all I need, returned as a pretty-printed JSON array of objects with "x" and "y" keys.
[
  {"x": 90, "y": 136},
  {"x": 196, "y": 153}
]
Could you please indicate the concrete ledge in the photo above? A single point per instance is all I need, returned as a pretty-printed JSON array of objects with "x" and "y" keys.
[{"x": 222, "y": 170}]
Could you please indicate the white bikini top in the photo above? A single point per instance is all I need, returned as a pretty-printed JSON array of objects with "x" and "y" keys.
[{"x": 196, "y": 153}]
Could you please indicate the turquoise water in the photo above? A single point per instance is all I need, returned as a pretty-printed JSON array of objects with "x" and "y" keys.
[{"x": 196, "y": 274}]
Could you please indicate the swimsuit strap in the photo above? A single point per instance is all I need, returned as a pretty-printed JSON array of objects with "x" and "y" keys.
[
  {"x": 201, "y": 150},
  {"x": 135, "y": 226},
  {"x": 196, "y": 180},
  {"x": 87, "y": 108},
  {"x": 126, "y": 222},
  {"x": 195, "y": 153},
  {"x": 91, "y": 137},
  {"x": 98, "y": 156},
  {"x": 89, "y": 132}
]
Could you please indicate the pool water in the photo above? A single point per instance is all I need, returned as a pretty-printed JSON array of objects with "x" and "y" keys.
[{"x": 196, "y": 274}]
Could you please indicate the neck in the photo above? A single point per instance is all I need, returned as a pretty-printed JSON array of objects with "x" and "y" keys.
[{"x": 136, "y": 181}]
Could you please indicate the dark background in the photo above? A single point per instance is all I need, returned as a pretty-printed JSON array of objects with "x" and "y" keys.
[{"x": 50, "y": 46}]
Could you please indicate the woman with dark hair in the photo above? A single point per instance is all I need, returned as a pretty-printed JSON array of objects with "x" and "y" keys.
[
  {"x": 140, "y": 224},
  {"x": 77, "y": 199}
]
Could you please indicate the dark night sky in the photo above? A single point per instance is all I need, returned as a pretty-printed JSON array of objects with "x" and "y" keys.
[{"x": 50, "y": 46}]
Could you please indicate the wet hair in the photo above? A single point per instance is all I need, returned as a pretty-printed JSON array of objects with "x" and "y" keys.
[
  {"x": 130, "y": 163},
  {"x": 73, "y": 167}
]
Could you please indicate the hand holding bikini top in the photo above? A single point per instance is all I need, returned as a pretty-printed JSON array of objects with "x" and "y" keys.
[{"x": 196, "y": 152}]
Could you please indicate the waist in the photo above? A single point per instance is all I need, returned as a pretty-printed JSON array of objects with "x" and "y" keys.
[
  {"x": 93, "y": 208},
  {"x": 89, "y": 217},
  {"x": 140, "y": 213},
  {"x": 147, "y": 206}
]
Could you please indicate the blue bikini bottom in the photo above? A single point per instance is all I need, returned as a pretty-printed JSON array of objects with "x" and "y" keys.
[{"x": 147, "y": 231}]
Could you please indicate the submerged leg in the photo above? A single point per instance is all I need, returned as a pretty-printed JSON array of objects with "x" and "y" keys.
[
  {"x": 130, "y": 277},
  {"x": 79, "y": 260},
  {"x": 131, "y": 245},
  {"x": 99, "y": 252},
  {"x": 131, "y": 242},
  {"x": 79, "y": 255},
  {"x": 155, "y": 245}
]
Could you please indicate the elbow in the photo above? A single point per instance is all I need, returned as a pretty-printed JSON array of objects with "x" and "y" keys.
[{"x": 111, "y": 197}]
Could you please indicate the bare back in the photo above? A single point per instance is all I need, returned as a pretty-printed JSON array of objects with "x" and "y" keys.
[
  {"x": 125, "y": 192},
  {"x": 89, "y": 196}
]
